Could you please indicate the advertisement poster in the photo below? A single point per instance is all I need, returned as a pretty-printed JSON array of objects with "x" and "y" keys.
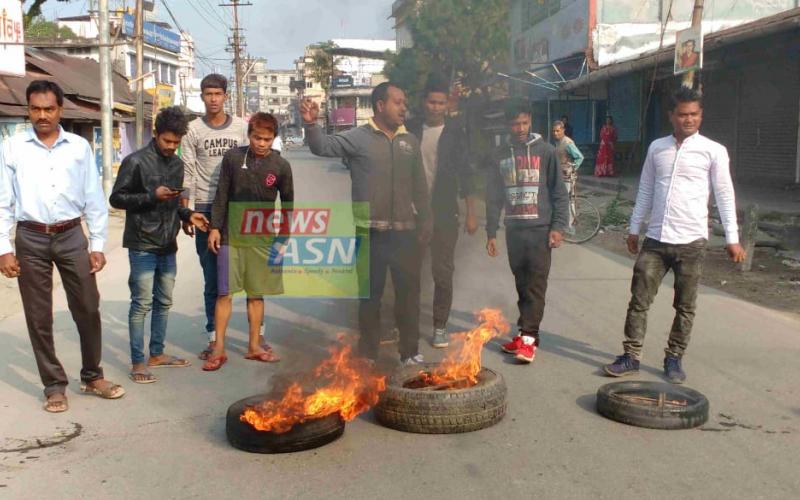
[
  {"x": 116, "y": 147},
  {"x": 689, "y": 50}
]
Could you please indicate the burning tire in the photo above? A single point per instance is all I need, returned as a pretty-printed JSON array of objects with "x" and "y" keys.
[
  {"x": 655, "y": 405},
  {"x": 303, "y": 436},
  {"x": 441, "y": 411}
]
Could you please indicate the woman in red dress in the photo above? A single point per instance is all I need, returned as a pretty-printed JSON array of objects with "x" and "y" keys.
[{"x": 604, "y": 164}]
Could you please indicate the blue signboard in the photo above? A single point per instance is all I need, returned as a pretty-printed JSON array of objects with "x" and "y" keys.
[{"x": 154, "y": 34}]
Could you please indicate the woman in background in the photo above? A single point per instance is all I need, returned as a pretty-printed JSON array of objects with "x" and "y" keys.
[{"x": 604, "y": 165}]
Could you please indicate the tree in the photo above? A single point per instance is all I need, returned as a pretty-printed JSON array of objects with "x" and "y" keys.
[
  {"x": 323, "y": 64},
  {"x": 34, "y": 11},
  {"x": 464, "y": 40},
  {"x": 41, "y": 29}
]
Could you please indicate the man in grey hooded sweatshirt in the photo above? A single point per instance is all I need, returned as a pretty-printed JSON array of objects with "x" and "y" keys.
[{"x": 525, "y": 180}]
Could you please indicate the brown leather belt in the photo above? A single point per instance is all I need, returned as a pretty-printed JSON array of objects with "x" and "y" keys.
[{"x": 58, "y": 227}]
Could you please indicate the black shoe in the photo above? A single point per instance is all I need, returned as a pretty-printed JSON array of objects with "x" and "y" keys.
[
  {"x": 623, "y": 365},
  {"x": 673, "y": 370}
]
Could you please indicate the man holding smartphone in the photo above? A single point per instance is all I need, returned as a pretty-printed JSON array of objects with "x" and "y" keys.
[{"x": 148, "y": 187}]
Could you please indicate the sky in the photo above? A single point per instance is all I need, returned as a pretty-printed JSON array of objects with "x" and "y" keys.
[{"x": 277, "y": 30}]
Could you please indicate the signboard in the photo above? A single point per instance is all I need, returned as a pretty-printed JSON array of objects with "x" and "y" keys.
[
  {"x": 163, "y": 97},
  {"x": 153, "y": 34},
  {"x": 253, "y": 97},
  {"x": 689, "y": 50},
  {"x": 343, "y": 116},
  {"x": 342, "y": 82},
  {"x": 550, "y": 32},
  {"x": 12, "y": 57}
]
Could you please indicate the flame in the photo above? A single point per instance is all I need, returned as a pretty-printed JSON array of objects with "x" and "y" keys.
[
  {"x": 350, "y": 389},
  {"x": 464, "y": 362}
]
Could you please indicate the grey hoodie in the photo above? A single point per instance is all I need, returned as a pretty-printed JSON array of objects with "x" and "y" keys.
[
  {"x": 386, "y": 173},
  {"x": 525, "y": 179}
]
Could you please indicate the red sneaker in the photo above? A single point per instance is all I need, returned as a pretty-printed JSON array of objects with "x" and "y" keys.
[
  {"x": 526, "y": 352},
  {"x": 513, "y": 346}
]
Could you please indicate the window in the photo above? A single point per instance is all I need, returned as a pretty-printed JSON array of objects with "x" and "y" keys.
[
  {"x": 172, "y": 75},
  {"x": 309, "y": 85},
  {"x": 253, "y": 78},
  {"x": 274, "y": 90},
  {"x": 284, "y": 100},
  {"x": 273, "y": 79},
  {"x": 132, "y": 72},
  {"x": 274, "y": 101}
]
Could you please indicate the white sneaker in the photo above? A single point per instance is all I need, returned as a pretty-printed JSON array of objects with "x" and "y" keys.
[{"x": 414, "y": 360}]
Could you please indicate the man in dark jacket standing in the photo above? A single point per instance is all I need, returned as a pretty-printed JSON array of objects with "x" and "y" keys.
[
  {"x": 443, "y": 144},
  {"x": 386, "y": 172},
  {"x": 525, "y": 179},
  {"x": 148, "y": 187}
]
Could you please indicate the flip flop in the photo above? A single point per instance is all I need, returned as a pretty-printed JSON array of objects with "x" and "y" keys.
[
  {"x": 205, "y": 353},
  {"x": 170, "y": 362},
  {"x": 214, "y": 363},
  {"x": 111, "y": 391},
  {"x": 56, "y": 405},
  {"x": 267, "y": 356},
  {"x": 142, "y": 377}
]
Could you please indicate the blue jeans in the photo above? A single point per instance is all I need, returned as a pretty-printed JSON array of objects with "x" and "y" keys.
[
  {"x": 208, "y": 261},
  {"x": 151, "y": 281}
]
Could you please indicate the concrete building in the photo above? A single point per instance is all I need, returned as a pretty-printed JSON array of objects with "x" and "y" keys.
[
  {"x": 359, "y": 67},
  {"x": 163, "y": 54},
  {"x": 590, "y": 58},
  {"x": 401, "y": 10}
]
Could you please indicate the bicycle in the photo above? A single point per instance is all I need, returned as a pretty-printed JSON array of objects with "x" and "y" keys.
[{"x": 584, "y": 216}]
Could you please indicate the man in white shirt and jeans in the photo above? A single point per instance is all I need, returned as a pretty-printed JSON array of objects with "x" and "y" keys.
[{"x": 674, "y": 191}]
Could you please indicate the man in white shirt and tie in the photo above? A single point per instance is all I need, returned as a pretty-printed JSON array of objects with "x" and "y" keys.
[
  {"x": 674, "y": 192},
  {"x": 48, "y": 180}
]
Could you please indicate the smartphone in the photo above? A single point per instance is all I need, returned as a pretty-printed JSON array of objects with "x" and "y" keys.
[{"x": 179, "y": 190}]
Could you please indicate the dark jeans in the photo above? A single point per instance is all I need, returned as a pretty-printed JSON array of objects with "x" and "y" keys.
[
  {"x": 37, "y": 252},
  {"x": 443, "y": 246},
  {"x": 208, "y": 261},
  {"x": 399, "y": 253},
  {"x": 655, "y": 259},
  {"x": 529, "y": 256},
  {"x": 151, "y": 282}
]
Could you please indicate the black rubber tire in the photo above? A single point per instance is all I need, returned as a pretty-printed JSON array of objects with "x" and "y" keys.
[
  {"x": 442, "y": 412},
  {"x": 305, "y": 436},
  {"x": 610, "y": 404}
]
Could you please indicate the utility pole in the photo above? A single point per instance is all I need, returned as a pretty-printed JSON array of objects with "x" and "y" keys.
[
  {"x": 139, "y": 28},
  {"x": 697, "y": 20},
  {"x": 106, "y": 100},
  {"x": 236, "y": 46}
]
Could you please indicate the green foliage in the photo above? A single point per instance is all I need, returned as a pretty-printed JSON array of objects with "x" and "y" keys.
[
  {"x": 33, "y": 12},
  {"x": 40, "y": 29},
  {"x": 323, "y": 64},
  {"x": 464, "y": 40},
  {"x": 615, "y": 215}
]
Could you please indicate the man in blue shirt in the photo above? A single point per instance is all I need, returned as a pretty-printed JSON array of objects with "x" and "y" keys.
[{"x": 48, "y": 180}]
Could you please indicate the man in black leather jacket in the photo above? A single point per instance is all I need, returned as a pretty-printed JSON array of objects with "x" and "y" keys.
[{"x": 148, "y": 187}]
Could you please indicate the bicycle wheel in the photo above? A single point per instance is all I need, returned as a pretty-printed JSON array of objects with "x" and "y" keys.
[{"x": 586, "y": 221}]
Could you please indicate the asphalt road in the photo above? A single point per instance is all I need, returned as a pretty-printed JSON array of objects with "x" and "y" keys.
[{"x": 167, "y": 440}]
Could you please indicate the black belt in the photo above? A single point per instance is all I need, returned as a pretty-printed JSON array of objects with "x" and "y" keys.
[{"x": 58, "y": 227}]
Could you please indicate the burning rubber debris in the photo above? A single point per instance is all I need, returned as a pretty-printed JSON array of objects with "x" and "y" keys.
[
  {"x": 349, "y": 387},
  {"x": 461, "y": 365}
]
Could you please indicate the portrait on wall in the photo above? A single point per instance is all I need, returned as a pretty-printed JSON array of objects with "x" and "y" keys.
[{"x": 688, "y": 50}]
